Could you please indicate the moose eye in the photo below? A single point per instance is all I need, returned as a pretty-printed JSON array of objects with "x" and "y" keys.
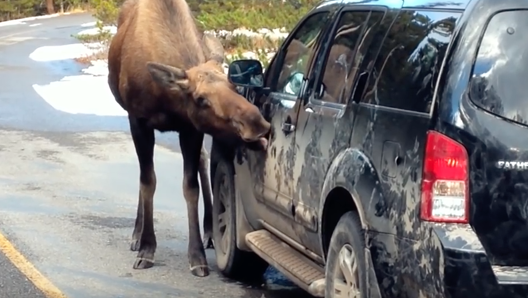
[{"x": 202, "y": 102}]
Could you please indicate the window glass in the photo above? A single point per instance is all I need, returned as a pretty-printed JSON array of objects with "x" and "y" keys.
[
  {"x": 353, "y": 34},
  {"x": 409, "y": 61},
  {"x": 499, "y": 83},
  {"x": 297, "y": 54}
]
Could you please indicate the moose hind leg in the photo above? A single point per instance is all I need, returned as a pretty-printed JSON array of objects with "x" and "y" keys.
[
  {"x": 191, "y": 144},
  {"x": 207, "y": 199},
  {"x": 143, "y": 238}
]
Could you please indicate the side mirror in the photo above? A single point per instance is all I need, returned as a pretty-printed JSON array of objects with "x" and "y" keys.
[{"x": 246, "y": 73}]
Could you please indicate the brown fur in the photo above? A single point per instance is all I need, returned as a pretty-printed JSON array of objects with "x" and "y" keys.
[{"x": 168, "y": 76}]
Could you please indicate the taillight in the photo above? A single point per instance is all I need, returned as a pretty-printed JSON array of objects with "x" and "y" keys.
[{"x": 445, "y": 190}]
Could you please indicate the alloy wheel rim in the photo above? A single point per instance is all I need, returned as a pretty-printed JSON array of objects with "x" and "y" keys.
[{"x": 346, "y": 277}]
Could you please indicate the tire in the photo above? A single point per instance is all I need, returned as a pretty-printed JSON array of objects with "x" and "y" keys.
[
  {"x": 232, "y": 262},
  {"x": 347, "y": 242}
]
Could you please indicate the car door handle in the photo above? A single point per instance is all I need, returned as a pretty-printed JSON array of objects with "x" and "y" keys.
[{"x": 288, "y": 127}]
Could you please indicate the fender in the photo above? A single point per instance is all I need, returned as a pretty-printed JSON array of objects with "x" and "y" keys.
[{"x": 353, "y": 171}]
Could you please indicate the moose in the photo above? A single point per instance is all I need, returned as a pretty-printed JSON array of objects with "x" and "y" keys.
[{"x": 168, "y": 76}]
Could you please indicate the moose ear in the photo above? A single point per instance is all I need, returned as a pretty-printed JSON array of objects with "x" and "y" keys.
[{"x": 169, "y": 77}]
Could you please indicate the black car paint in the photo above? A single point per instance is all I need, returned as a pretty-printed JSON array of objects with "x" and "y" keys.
[{"x": 411, "y": 258}]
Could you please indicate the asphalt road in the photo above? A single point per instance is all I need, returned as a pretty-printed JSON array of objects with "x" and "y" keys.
[{"x": 68, "y": 192}]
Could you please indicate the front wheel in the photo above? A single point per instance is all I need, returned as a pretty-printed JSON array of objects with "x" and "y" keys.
[
  {"x": 345, "y": 267},
  {"x": 231, "y": 261}
]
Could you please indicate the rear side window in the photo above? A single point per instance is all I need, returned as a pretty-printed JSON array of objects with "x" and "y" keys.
[
  {"x": 500, "y": 74},
  {"x": 409, "y": 60}
]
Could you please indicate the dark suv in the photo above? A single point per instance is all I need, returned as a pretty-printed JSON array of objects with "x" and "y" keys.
[{"x": 397, "y": 164}]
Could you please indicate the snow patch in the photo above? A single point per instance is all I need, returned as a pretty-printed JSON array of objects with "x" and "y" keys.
[
  {"x": 11, "y": 23},
  {"x": 24, "y": 20},
  {"x": 98, "y": 68},
  {"x": 263, "y": 32},
  {"x": 84, "y": 94},
  {"x": 71, "y": 51},
  {"x": 90, "y": 24},
  {"x": 95, "y": 31},
  {"x": 87, "y": 93}
]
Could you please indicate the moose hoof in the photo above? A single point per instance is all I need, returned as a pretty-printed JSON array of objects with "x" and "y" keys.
[
  {"x": 142, "y": 263},
  {"x": 134, "y": 245},
  {"x": 208, "y": 242},
  {"x": 200, "y": 270}
]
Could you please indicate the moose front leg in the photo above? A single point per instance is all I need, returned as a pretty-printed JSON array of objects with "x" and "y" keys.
[
  {"x": 144, "y": 238},
  {"x": 191, "y": 144}
]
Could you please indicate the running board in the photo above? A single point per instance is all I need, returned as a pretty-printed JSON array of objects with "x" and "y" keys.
[
  {"x": 511, "y": 275},
  {"x": 301, "y": 270}
]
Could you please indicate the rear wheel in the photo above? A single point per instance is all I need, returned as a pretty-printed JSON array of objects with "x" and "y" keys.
[
  {"x": 231, "y": 261},
  {"x": 345, "y": 267}
]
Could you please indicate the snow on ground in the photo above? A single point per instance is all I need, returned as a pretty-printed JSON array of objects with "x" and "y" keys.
[
  {"x": 81, "y": 93},
  {"x": 24, "y": 20},
  {"x": 64, "y": 52},
  {"x": 95, "y": 31},
  {"x": 264, "y": 32},
  {"x": 88, "y": 92}
]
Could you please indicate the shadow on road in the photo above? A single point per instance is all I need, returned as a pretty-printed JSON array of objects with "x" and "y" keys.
[{"x": 274, "y": 285}]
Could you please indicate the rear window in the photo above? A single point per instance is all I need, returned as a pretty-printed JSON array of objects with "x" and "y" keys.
[{"x": 499, "y": 83}]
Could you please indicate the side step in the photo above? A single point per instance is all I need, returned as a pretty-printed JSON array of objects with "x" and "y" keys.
[
  {"x": 511, "y": 275},
  {"x": 287, "y": 260}
]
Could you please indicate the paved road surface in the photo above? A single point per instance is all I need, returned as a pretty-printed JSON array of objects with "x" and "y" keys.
[
  {"x": 68, "y": 192},
  {"x": 14, "y": 284}
]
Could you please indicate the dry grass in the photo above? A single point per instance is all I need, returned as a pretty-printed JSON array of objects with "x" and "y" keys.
[
  {"x": 102, "y": 40},
  {"x": 99, "y": 55}
]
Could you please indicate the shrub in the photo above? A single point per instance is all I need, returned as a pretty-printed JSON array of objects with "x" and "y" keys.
[
  {"x": 252, "y": 14},
  {"x": 106, "y": 11}
]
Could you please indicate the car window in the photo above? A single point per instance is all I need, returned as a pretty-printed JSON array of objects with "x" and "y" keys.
[
  {"x": 498, "y": 83},
  {"x": 353, "y": 34},
  {"x": 298, "y": 52},
  {"x": 409, "y": 61}
]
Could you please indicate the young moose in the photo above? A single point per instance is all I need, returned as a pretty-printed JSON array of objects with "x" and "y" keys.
[{"x": 168, "y": 76}]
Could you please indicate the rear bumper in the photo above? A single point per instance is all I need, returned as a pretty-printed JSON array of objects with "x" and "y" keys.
[
  {"x": 447, "y": 262},
  {"x": 467, "y": 270}
]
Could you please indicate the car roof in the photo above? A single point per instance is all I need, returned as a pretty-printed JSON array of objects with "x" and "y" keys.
[
  {"x": 436, "y": 4},
  {"x": 429, "y": 4}
]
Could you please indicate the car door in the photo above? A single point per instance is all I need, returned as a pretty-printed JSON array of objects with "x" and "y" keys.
[
  {"x": 325, "y": 123},
  {"x": 285, "y": 78}
]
